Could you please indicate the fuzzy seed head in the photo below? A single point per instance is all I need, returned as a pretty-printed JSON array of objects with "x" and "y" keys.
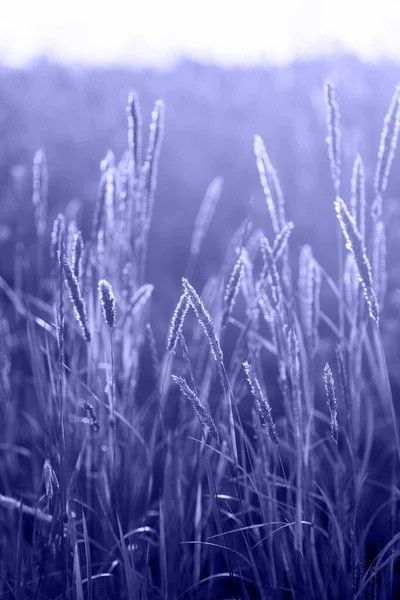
[
  {"x": 205, "y": 214},
  {"x": 201, "y": 410},
  {"x": 387, "y": 147},
  {"x": 232, "y": 289},
  {"x": 281, "y": 240},
  {"x": 358, "y": 194},
  {"x": 270, "y": 185},
  {"x": 77, "y": 300},
  {"x": 356, "y": 246},
  {"x": 205, "y": 322},
  {"x": 330, "y": 392},
  {"x": 262, "y": 402},
  {"x": 108, "y": 302},
  {"x": 177, "y": 320},
  {"x": 57, "y": 237},
  {"x": 333, "y": 139},
  {"x": 40, "y": 189},
  {"x": 77, "y": 252},
  {"x": 134, "y": 128}
]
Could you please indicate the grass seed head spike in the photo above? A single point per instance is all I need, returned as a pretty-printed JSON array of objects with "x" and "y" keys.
[
  {"x": 262, "y": 403},
  {"x": 379, "y": 262},
  {"x": 150, "y": 167},
  {"x": 77, "y": 251},
  {"x": 351, "y": 282},
  {"x": 57, "y": 235},
  {"x": 205, "y": 321},
  {"x": 205, "y": 214},
  {"x": 330, "y": 391},
  {"x": 110, "y": 198},
  {"x": 40, "y": 190},
  {"x": 248, "y": 287},
  {"x": 343, "y": 381},
  {"x": 264, "y": 304},
  {"x": 134, "y": 129},
  {"x": 293, "y": 354},
  {"x": 139, "y": 298},
  {"x": 202, "y": 412},
  {"x": 333, "y": 139},
  {"x": 108, "y": 302},
  {"x": 355, "y": 245},
  {"x": 100, "y": 248},
  {"x": 177, "y": 320},
  {"x": 358, "y": 194},
  {"x": 386, "y": 150},
  {"x": 272, "y": 179},
  {"x": 69, "y": 239},
  {"x": 232, "y": 290},
  {"x": 305, "y": 287},
  {"x": 99, "y": 211},
  {"x": 77, "y": 300},
  {"x": 108, "y": 162},
  {"x": 281, "y": 240},
  {"x": 316, "y": 304},
  {"x": 156, "y": 132},
  {"x": 309, "y": 286},
  {"x": 270, "y": 185},
  {"x": 270, "y": 273}
]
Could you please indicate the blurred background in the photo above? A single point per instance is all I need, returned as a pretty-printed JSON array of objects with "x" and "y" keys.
[{"x": 226, "y": 70}]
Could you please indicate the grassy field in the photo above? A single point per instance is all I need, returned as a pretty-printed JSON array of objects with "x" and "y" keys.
[{"x": 253, "y": 452}]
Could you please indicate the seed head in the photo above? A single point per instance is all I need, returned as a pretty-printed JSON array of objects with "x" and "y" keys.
[
  {"x": 387, "y": 147},
  {"x": 202, "y": 412},
  {"x": 262, "y": 403},
  {"x": 232, "y": 289},
  {"x": 330, "y": 391},
  {"x": 205, "y": 321},
  {"x": 57, "y": 237},
  {"x": 176, "y": 324},
  {"x": 205, "y": 214},
  {"x": 356, "y": 246},
  {"x": 108, "y": 303},
  {"x": 77, "y": 300},
  {"x": 333, "y": 122},
  {"x": 40, "y": 186}
]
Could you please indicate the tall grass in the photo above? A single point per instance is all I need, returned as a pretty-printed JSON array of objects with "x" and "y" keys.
[{"x": 252, "y": 453}]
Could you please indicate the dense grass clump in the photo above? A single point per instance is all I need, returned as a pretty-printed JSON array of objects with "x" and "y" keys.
[{"x": 251, "y": 453}]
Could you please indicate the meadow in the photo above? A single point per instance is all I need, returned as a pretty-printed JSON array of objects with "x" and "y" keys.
[{"x": 247, "y": 448}]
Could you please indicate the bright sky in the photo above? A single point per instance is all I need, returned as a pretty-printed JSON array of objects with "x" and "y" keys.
[{"x": 233, "y": 31}]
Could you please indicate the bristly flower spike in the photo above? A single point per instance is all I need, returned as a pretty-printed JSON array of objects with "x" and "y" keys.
[
  {"x": 108, "y": 302},
  {"x": 262, "y": 403},
  {"x": 386, "y": 150},
  {"x": 77, "y": 300},
  {"x": 205, "y": 321},
  {"x": 231, "y": 290},
  {"x": 176, "y": 324},
  {"x": 200, "y": 409},
  {"x": 356, "y": 246},
  {"x": 134, "y": 129},
  {"x": 57, "y": 236},
  {"x": 330, "y": 391},
  {"x": 40, "y": 188},
  {"x": 333, "y": 139},
  {"x": 77, "y": 251}
]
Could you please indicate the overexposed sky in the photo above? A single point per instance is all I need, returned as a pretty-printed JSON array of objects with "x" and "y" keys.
[{"x": 231, "y": 31}]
